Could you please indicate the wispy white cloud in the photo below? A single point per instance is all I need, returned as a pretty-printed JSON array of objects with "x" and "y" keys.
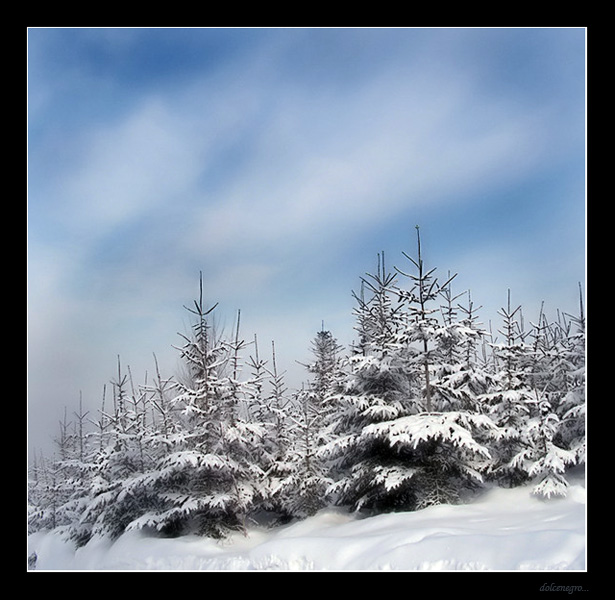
[
  {"x": 128, "y": 170},
  {"x": 380, "y": 151},
  {"x": 301, "y": 160}
]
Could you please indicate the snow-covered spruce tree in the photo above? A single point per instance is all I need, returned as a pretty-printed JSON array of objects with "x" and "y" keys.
[
  {"x": 37, "y": 473},
  {"x": 61, "y": 489},
  {"x": 64, "y": 482},
  {"x": 81, "y": 467},
  {"x": 557, "y": 432},
  {"x": 421, "y": 337},
  {"x": 271, "y": 407},
  {"x": 210, "y": 480},
  {"x": 300, "y": 490},
  {"x": 377, "y": 389},
  {"x": 127, "y": 443},
  {"x": 542, "y": 460},
  {"x": 568, "y": 398},
  {"x": 441, "y": 440},
  {"x": 303, "y": 491},
  {"x": 45, "y": 494},
  {"x": 117, "y": 495},
  {"x": 459, "y": 377},
  {"x": 101, "y": 433},
  {"x": 539, "y": 355},
  {"x": 259, "y": 376},
  {"x": 512, "y": 401},
  {"x": 265, "y": 406},
  {"x": 327, "y": 377},
  {"x": 325, "y": 369},
  {"x": 403, "y": 448},
  {"x": 166, "y": 431}
]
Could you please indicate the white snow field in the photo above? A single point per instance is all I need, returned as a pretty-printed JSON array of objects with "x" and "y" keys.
[{"x": 503, "y": 530}]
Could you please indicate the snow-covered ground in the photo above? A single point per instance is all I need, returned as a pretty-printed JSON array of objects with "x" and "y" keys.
[{"x": 502, "y": 530}]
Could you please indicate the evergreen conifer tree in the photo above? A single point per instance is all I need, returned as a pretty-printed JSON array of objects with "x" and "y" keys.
[
  {"x": 61, "y": 484},
  {"x": 210, "y": 481},
  {"x": 440, "y": 442},
  {"x": 511, "y": 402},
  {"x": 376, "y": 390},
  {"x": 428, "y": 445},
  {"x": 118, "y": 492},
  {"x": 303, "y": 491},
  {"x": 557, "y": 432},
  {"x": 569, "y": 401},
  {"x": 542, "y": 460}
]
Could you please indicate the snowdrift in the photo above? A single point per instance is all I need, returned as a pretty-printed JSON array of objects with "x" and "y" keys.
[{"x": 503, "y": 530}]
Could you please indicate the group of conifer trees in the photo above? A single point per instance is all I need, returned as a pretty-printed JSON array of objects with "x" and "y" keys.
[{"x": 426, "y": 407}]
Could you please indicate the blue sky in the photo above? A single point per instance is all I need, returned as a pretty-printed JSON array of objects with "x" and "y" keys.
[{"x": 280, "y": 162}]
